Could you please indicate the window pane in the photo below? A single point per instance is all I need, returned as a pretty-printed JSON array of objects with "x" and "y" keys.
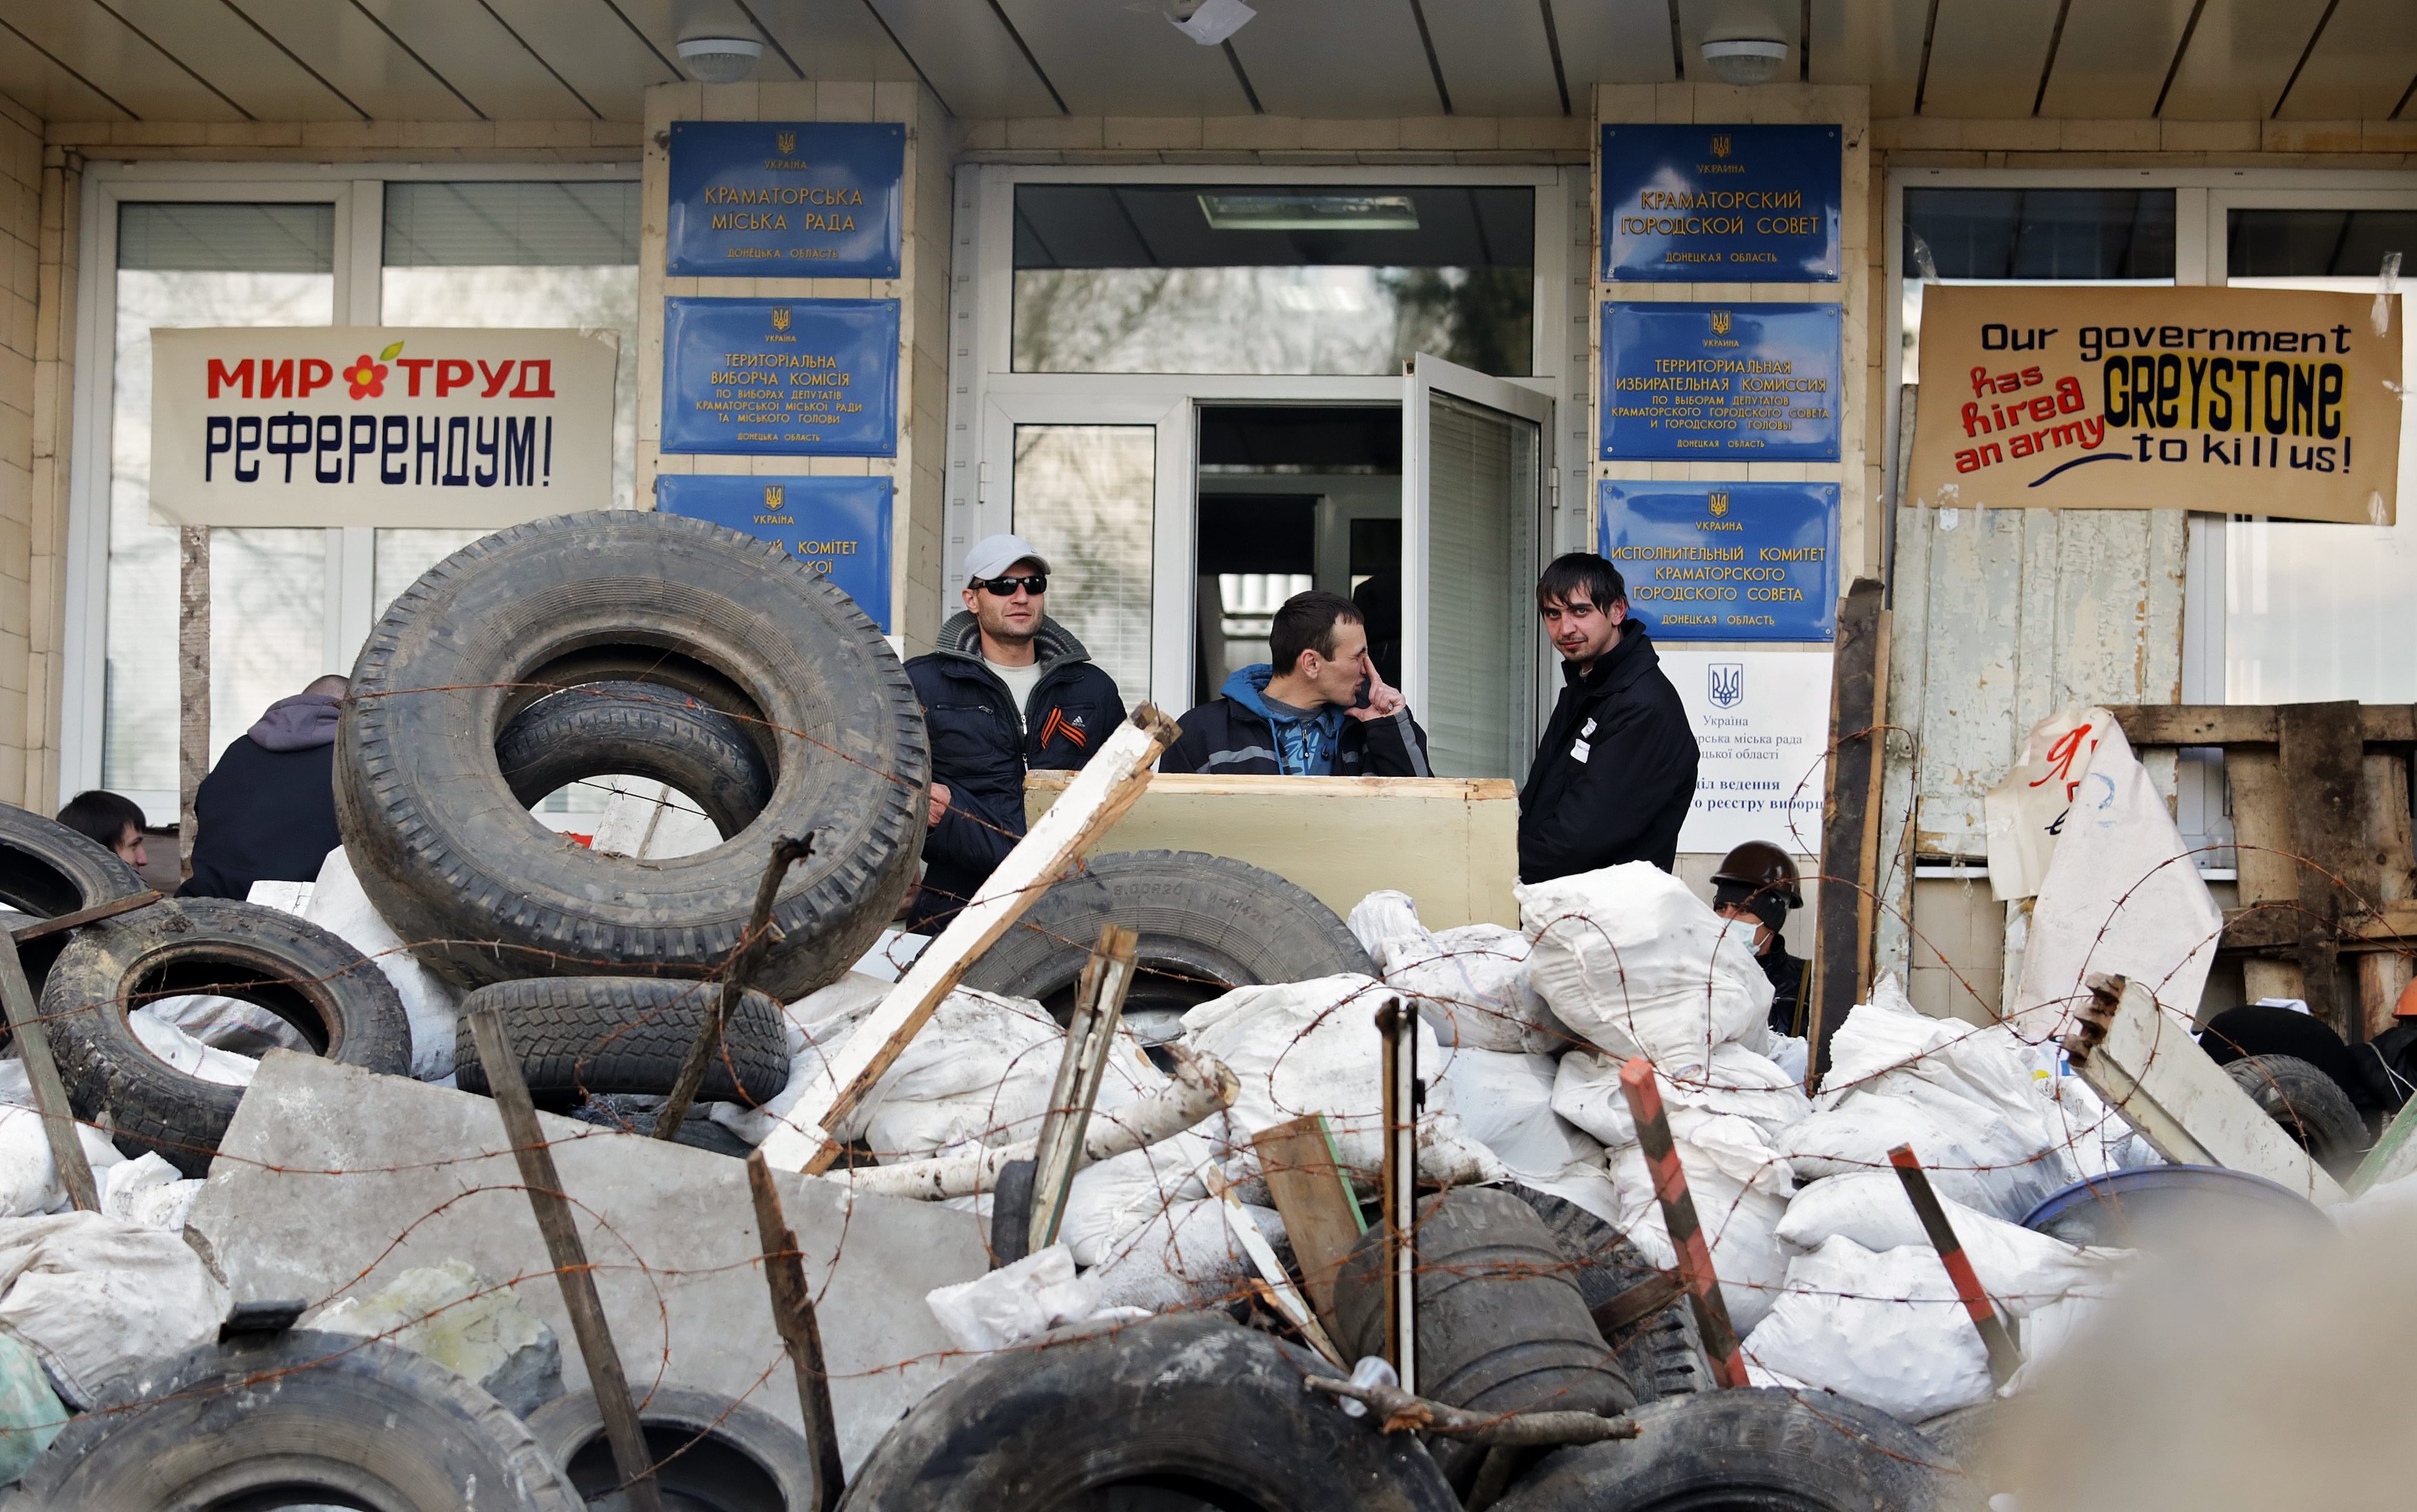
[
  {"x": 2036, "y": 234},
  {"x": 182, "y": 266},
  {"x": 515, "y": 226},
  {"x": 1482, "y": 485},
  {"x": 1125, "y": 277},
  {"x": 2317, "y": 243},
  {"x": 1086, "y": 497}
]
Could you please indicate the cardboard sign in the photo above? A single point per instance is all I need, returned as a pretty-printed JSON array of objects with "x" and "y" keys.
[
  {"x": 805, "y": 377},
  {"x": 1761, "y": 722},
  {"x": 2266, "y": 401},
  {"x": 379, "y": 425},
  {"x": 1721, "y": 204},
  {"x": 1725, "y": 561},
  {"x": 839, "y": 527}
]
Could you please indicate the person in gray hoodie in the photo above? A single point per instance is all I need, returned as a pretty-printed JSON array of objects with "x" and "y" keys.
[{"x": 268, "y": 810}]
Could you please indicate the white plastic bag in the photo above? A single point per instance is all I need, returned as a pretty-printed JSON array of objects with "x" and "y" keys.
[
  {"x": 1470, "y": 983},
  {"x": 1740, "y": 1188},
  {"x": 1631, "y": 958},
  {"x": 1885, "y": 1329},
  {"x": 148, "y": 1191},
  {"x": 1112, "y": 1200},
  {"x": 339, "y": 906},
  {"x": 1184, "y": 1256},
  {"x": 2022, "y": 1270},
  {"x": 1016, "y": 1302},
  {"x": 188, "y": 1054},
  {"x": 1505, "y": 1102},
  {"x": 98, "y": 1296},
  {"x": 29, "y": 1180},
  {"x": 1586, "y": 1092},
  {"x": 979, "y": 1072}
]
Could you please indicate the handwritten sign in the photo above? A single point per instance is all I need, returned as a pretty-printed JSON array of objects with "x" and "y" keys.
[
  {"x": 1725, "y": 561},
  {"x": 804, "y": 377},
  {"x": 839, "y": 527},
  {"x": 1721, "y": 204},
  {"x": 786, "y": 199},
  {"x": 1720, "y": 382}
]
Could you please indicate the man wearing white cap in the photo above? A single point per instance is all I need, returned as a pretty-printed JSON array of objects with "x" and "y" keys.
[{"x": 1009, "y": 689}]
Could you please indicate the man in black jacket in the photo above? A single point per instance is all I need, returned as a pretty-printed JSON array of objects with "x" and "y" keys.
[
  {"x": 268, "y": 810},
  {"x": 1007, "y": 690},
  {"x": 1326, "y": 712},
  {"x": 1616, "y": 770}
]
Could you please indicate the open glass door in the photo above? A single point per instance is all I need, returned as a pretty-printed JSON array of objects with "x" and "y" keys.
[{"x": 1473, "y": 476}]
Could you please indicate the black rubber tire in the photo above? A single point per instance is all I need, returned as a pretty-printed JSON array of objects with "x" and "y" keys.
[
  {"x": 1208, "y": 924},
  {"x": 47, "y": 870},
  {"x": 1186, "y": 1401},
  {"x": 2311, "y": 1107},
  {"x": 376, "y": 1424},
  {"x": 1663, "y": 1356},
  {"x": 712, "y": 1454},
  {"x": 454, "y": 860},
  {"x": 578, "y": 1035},
  {"x": 1752, "y": 1450},
  {"x": 338, "y": 1001},
  {"x": 638, "y": 730}
]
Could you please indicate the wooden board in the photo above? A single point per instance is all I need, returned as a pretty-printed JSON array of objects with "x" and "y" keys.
[
  {"x": 2323, "y": 771},
  {"x": 2247, "y": 724},
  {"x": 1315, "y": 1198},
  {"x": 1451, "y": 844},
  {"x": 1840, "y": 975},
  {"x": 2262, "y": 842}
]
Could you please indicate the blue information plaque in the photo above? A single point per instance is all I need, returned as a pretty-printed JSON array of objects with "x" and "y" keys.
[
  {"x": 1721, "y": 204},
  {"x": 786, "y": 199},
  {"x": 839, "y": 527},
  {"x": 1725, "y": 561},
  {"x": 1720, "y": 382},
  {"x": 801, "y": 377}
]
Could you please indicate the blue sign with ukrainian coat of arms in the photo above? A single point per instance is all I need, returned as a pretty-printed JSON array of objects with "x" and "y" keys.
[
  {"x": 1721, "y": 204},
  {"x": 1725, "y": 561},
  {"x": 839, "y": 527},
  {"x": 1721, "y": 382},
  {"x": 786, "y": 199},
  {"x": 801, "y": 377}
]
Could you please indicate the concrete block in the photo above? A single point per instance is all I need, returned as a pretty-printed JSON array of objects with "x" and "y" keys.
[
  {"x": 332, "y": 1180},
  {"x": 464, "y": 1323}
]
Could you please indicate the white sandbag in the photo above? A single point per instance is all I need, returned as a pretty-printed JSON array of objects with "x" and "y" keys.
[
  {"x": 1631, "y": 958},
  {"x": 1300, "y": 1048},
  {"x": 339, "y": 906},
  {"x": 1792, "y": 1054},
  {"x": 1470, "y": 983},
  {"x": 29, "y": 1180},
  {"x": 1885, "y": 1329},
  {"x": 1114, "y": 1199},
  {"x": 1505, "y": 1102},
  {"x": 1586, "y": 1092},
  {"x": 1184, "y": 1257},
  {"x": 1016, "y": 1302},
  {"x": 98, "y": 1296},
  {"x": 2022, "y": 1270},
  {"x": 980, "y": 1071},
  {"x": 814, "y": 1026},
  {"x": 227, "y": 1023},
  {"x": 1740, "y": 1188},
  {"x": 184, "y": 1052},
  {"x": 148, "y": 1191}
]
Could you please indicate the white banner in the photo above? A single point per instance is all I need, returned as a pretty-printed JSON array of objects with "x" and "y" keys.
[
  {"x": 379, "y": 425},
  {"x": 1761, "y": 722}
]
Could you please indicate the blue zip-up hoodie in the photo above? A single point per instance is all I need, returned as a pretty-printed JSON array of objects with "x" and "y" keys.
[
  {"x": 1241, "y": 734},
  {"x": 1304, "y": 746}
]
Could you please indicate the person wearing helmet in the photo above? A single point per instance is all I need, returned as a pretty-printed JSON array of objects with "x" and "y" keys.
[{"x": 1757, "y": 883}]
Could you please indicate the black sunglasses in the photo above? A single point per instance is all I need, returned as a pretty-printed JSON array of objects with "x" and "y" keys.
[{"x": 1037, "y": 584}]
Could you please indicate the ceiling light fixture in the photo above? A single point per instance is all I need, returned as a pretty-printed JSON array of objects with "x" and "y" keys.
[
  {"x": 1744, "y": 60},
  {"x": 1209, "y": 22},
  {"x": 720, "y": 60},
  {"x": 1309, "y": 212}
]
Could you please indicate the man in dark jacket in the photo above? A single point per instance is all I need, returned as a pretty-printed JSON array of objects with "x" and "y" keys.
[
  {"x": 1007, "y": 689},
  {"x": 1616, "y": 770},
  {"x": 1326, "y": 712},
  {"x": 268, "y": 810},
  {"x": 1757, "y": 884}
]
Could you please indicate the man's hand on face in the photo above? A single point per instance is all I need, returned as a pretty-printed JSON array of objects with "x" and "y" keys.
[
  {"x": 939, "y": 804},
  {"x": 1384, "y": 699}
]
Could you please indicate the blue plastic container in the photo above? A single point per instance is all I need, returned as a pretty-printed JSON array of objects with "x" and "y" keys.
[{"x": 2136, "y": 1208}]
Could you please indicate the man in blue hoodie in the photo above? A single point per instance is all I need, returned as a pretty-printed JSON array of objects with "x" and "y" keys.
[
  {"x": 268, "y": 810},
  {"x": 1318, "y": 709}
]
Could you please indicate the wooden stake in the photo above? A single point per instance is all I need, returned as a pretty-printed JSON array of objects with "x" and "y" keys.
[
  {"x": 50, "y": 1094},
  {"x": 1678, "y": 1216},
  {"x": 192, "y": 683},
  {"x": 1321, "y": 1216},
  {"x": 2004, "y": 1359},
  {"x": 800, "y": 1330},
  {"x": 1090, "y": 1040},
  {"x": 1841, "y": 972},
  {"x": 61, "y": 924},
  {"x": 1399, "y": 1026},
  {"x": 786, "y": 852},
  {"x": 569, "y": 1254},
  {"x": 1096, "y": 799}
]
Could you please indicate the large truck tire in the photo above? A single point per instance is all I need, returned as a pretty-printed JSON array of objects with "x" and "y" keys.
[
  {"x": 1182, "y": 1410},
  {"x": 336, "y": 998},
  {"x": 710, "y": 1452},
  {"x": 2310, "y": 1105},
  {"x": 485, "y": 893},
  {"x": 266, "y": 1421},
  {"x": 47, "y": 870},
  {"x": 1208, "y": 924},
  {"x": 1663, "y": 1355},
  {"x": 643, "y": 730},
  {"x": 583, "y": 1035}
]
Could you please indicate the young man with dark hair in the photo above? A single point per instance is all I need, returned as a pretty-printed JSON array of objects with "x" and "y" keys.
[
  {"x": 1616, "y": 770},
  {"x": 111, "y": 822},
  {"x": 1317, "y": 709},
  {"x": 1007, "y": 689}
]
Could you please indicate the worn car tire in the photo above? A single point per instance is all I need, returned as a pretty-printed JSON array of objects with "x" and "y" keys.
[
  {"x": 2311, "y": 1107},
  {"x": 1186, "y": 1402},
  {"x": 1759, "y": 1448},
  {"x": 338, "y": 1000},
  {"x": 710, "y": 1451},
  {"x": 360, "y": 1422},
  {"x": 459, "y": 867},
  {"x": 1208, "y": 924},
  {"x": 637, "y": 730},
  {"x": 577, "y": 1036},
  {"x": 1663, "y": 1356},
  {"x": 47, "y": 870}
]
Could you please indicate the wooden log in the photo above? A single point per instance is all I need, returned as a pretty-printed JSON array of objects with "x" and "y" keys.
[
  {"x": 1106, "y": 788},
  {"x": 192, "y": 683},
  {"x": 800, "y": 1330},
  {"x": 1840, "y": 974},
  {"x": 42, "y": 1072},
  {"x": 1314, "y": 1196}
]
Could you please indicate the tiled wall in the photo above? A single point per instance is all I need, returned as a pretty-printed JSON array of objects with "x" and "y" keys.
[{"x": 37, "y": 252}]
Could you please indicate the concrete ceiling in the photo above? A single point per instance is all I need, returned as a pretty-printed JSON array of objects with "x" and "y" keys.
[{"x": 461, "y": 60}]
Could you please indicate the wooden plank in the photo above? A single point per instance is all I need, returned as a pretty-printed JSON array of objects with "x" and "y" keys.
[
  {"x": 1678, "y": 1219},
  {"x": 1103, "y": 791},
  {"x": 2146, "y": 1065},
  {"x": 62, "y": 923},
  {"x": 1321, "y": 1216},
  {"x": 2247, "y": 724},
  {"x": 2323, "y": 773},
  {"x": 2392, "y": 852},
  {"x": 1398, "y": 1026},
  {"x": 50, "y": 1094},
  {"x": 801, "y": 1333},
  {"x": 2279, "y": 928},
  {"x": 787, "y": 851},
  {"x": 1840, "y": 975},
  {"x": 1090, "y": 1040},
  {"x": 192, "y": 683},
  {"x": 569, "y": 1254},
  {"x": 2261, "y": 844}
]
